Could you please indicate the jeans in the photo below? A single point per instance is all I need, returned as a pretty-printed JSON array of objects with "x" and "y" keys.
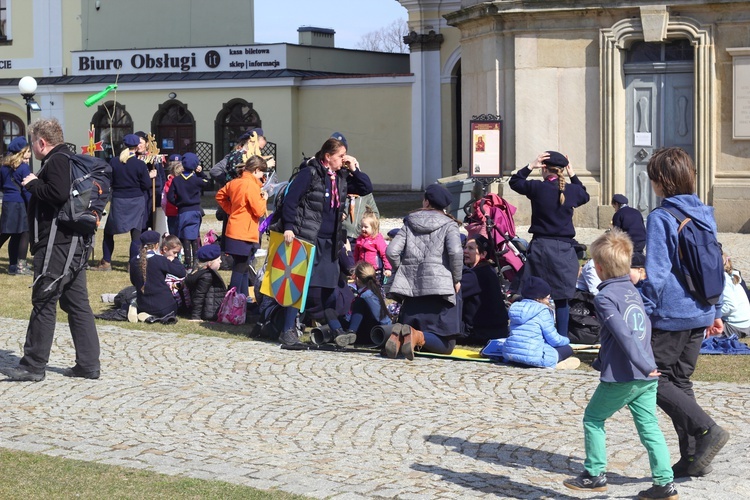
[
  {"x": 676, "y": 354},
  {"x": 640, "y": 397}
]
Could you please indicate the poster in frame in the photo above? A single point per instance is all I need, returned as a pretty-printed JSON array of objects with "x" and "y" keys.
[{"x": 485, "y": 151}]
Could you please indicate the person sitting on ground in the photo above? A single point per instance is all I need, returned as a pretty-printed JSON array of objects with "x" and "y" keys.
[
  {"x": 629, "y": 220},
  {"x": 370, "y": 245},
  {"x": 533, "y": 339},
  {"x": 428, "y": 259},
  {"x": 369, "y": 308},
  {"x": 629, "y": 375},
  {"x": 484, "y": 314},
  {"x": 206, "y": 287},
  {"x": 588, "y": 281},
  {"x": 148, "y": 274},
  {"x": 735, "y": 307}
]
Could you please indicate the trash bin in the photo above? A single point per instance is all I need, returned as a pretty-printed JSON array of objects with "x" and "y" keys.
[{"x": 461, "y": 191}]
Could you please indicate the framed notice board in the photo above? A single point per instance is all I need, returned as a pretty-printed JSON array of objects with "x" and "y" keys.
[{"x": 486, "y": 146}]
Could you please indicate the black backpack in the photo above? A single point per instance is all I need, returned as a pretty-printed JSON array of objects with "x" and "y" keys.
[
  {"x": 90, "y": 188},
  {"x": 701, "y": 262}
]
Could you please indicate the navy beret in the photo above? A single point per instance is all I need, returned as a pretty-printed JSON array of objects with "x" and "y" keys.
[
  {"x": 393, "y": 232},
  {"x": 638, "y": 260},
  {"x": 257, "y": 130},
  {"x": 207, "y": 253},
  {"x": 143, "y": 135},
  {"x": 340, "y": 137},
  {"x": 189, "y": 161},
  {"x": 438, "y": 196},
  {"x": 619, "y": 198},
  {"x": 556, "y": 160},
  {"x": 245, "y": 136},
  {"x": 17, "y": 144},
  {"x": 175, "y": 157},
  {"x": 150, "y": 237},
  {"x": 535, "y": 288},
  {"x": 131, "y": 140}
]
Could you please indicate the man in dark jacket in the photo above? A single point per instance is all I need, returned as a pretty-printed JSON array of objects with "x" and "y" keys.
[{"x": 49, "y": 191}]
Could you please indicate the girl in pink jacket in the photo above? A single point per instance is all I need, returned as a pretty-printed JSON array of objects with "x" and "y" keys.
[{"x": 370, "y": 245}]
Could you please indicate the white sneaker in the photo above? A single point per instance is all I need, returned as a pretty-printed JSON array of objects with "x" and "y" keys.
[{"x": 570, "y": 363}]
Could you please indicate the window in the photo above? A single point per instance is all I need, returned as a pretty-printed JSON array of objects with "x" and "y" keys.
[
  {"x": 4, "y": 24},
  {"x": 10, "y": 127},
  {"x": 672, "y": 50},
  {"x": 233, "y": 120},
  {"x": 174, "y": 126},
  {"x": 111, "y": 134}
]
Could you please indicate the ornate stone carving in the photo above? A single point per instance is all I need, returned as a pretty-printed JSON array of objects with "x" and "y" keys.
[{"x": 417, "y": 42}]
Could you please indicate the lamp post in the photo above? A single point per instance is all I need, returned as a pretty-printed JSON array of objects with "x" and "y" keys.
[{"x": 27, "y": 87}]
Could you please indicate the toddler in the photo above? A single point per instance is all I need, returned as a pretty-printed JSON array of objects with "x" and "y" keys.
[
  {"x": 370, "y": 245},
  {"x": 628, "y": 372}
]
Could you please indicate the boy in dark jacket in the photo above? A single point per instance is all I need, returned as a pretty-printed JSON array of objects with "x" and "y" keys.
[
  {"x": 629, "y": 220},
  {"x": 206, "y": 287},
  {"x": 628, "y": 372},
  {"x": 185, "y": 194}
]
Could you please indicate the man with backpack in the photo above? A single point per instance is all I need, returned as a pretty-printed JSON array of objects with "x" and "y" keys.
[
  {"x": 50, "y": 191},
  {"x": 680, "y": 297}
]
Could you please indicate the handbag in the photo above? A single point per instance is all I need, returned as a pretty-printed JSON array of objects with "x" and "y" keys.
[{"x": 233, "y": 308}]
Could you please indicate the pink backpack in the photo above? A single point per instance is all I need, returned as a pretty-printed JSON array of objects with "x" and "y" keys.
[{"x": 233, "y": 308}]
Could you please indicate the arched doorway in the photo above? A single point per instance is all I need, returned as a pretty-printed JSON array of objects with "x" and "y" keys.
[{"x": 174, "y": 127}]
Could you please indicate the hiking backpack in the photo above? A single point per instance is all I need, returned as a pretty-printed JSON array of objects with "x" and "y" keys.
[
  {"x": 90, "y": 185},
  {"x": 701, "y": 262}
]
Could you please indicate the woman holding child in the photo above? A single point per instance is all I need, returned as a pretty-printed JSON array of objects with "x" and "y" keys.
[
  {"x": 551, "y": 255},
  {"x": 428, "y": 258}
]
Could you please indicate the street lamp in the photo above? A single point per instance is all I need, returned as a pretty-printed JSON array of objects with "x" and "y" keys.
[{"x": 27, "y": 87}]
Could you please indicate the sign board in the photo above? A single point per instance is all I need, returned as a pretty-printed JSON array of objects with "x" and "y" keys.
[
  {"x": 485, "y": 153},
  {"x": 185, "y": 60}
]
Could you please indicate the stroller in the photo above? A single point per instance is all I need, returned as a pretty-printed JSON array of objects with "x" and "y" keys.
[{"x": 492, "y": 217}]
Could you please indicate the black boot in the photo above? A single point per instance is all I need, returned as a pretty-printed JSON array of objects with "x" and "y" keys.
[{"x": 289, "y": 337}]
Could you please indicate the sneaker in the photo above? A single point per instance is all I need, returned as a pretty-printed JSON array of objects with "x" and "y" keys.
[
  {"x": 289, "y": 337},
  {"x": 133, "y": 313},
  {"x": 666, "y": 492},
  {"x": 680, "y": 469},
  {"x": 12, "y": 270},
  {"x": 570, "y": 363},
  {"x": 19, "y": 374},
  {"x": 143, "y": 317},
  {"x": 78, "y": 372},
  {"x": 587, "y": 482},
  {"x": 707, "y": 445}
]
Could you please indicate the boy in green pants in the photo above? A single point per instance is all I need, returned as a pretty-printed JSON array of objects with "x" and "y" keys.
[{"x": 628, "y": 372}]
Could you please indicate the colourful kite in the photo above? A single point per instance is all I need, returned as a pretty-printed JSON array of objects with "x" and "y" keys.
[{"x": 288, "y": 271}]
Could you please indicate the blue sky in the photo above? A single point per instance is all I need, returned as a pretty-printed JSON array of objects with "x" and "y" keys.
[{"x": 276, "y": 21}]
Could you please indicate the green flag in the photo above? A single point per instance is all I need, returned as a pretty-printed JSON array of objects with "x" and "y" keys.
[{"x": 93, "y": 99}]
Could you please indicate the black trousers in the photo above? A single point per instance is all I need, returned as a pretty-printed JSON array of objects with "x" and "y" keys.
[
  {"x": 676, "y": 354},
  {"x": 72, "y": 294}
]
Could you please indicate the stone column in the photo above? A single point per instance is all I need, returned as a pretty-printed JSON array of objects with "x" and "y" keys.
[{"x": 426, "y": 113}]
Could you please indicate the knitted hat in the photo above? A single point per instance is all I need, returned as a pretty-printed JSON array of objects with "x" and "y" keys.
[
  {"x": 535, "y": 288},
  {"x": 207, "y": 253},
  {"x": 17, "y": 145},
  {"x": 189, "y": 161},
  {"x": 150, "y": 237},
  {"x": 556, "y": 160},
  {"x": 438, "y": 196}
]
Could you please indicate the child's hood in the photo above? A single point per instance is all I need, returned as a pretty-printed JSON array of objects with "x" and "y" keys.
[{"x": 526, "y": 310}]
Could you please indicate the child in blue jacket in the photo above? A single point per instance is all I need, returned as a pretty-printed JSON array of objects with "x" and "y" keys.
[
  {"x": 628, "y": 372},
  {"x": 534, "y": 340},
  {"x": 185, "y": 193}
]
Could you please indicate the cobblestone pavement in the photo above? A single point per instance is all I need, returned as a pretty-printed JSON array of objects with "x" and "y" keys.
[{"x": 335, "y": 425}]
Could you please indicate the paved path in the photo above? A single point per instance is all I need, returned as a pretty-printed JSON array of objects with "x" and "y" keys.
[{"x": 338, "y": 426}]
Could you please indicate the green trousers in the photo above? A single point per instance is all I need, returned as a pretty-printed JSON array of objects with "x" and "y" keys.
[{"x": 640, "y": 397}]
